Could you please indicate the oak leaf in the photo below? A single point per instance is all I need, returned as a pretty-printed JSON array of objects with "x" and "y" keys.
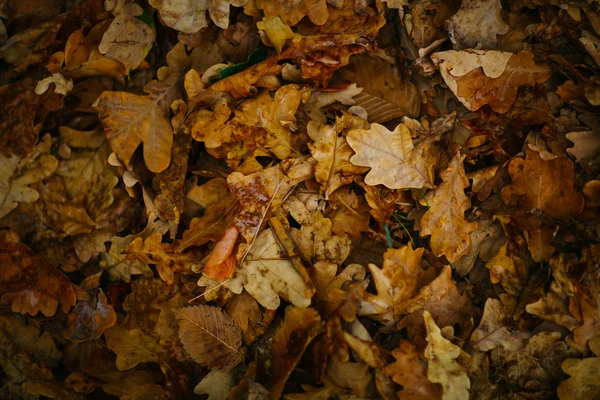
[
  {"x": 466, "y": 30},
  {"x": 18, "y": 173},
  {"x": 132, "y": 346},
  {"x": 540, "y": 185},
  {"x": 266, "y": 258},
  {"x": 292, "y": 12},
  {"x": 395, "y": 160},
  {"x": 118, "y": 265},
  {"x": 152, "y": 251},
  {"x": 130, "y": 119},
  {"x": 410, "y": 372},
  {"x": 492, "y": 333},
  {"x": 30, "y": 284},
  {"x": 90, "y": 318},
  {"x": 442, "y": 367},
  {"x": 444, "y": 219},
  {"x": 189, "y": 16},
  {"x": 300, "y": 326},
  {"x": 332, "y": 152},
  {"x": 479, "y": 77},
  {"x": 263, "y": 192},
  {"x": 210, "y": 337},
  {"x": 583, "y": 383}
]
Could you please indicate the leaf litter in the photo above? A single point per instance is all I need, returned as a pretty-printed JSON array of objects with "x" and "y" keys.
[{"x": 251, "y": 199}]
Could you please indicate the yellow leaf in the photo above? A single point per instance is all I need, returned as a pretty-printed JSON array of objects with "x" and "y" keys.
[
  {"x": 442, "y": 367},
  {"x": 584, "y": 383},
  {"x": 133, "y": 347}
]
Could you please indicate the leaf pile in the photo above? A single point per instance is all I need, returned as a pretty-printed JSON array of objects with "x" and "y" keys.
[{"x": 311, "y": 199}]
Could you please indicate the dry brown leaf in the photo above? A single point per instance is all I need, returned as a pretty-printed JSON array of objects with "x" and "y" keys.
[
  {"x": 540, "y": 185},
  {"x": 30, "y": 284},
  {"x": 490, "y": 77},
  {"x": 292, "y": 12},
  {"x": 132, "y": 346},
  {"x": 410, "y": 372},
  {"x": 445, "y": 218},
  {"x": 168, "y": 262},
  {"x": 130, "y": 119},
  {"x": 583, "y": 383},
  {"x": 395, "y": 160},
  {"x": 18, "y": 173},
  {"x": 492, "y": 331},
  {"x": 127, "y": 40},
  {"x": 332, "y": 152},
  {"x": 292, "y": 337},
  {"x": 90, "y": 318},
  {"x": 442, "y": 367},
  {"x": 466, "y": 29},
  {"x": 279, "y": 277},
  {"x": 189, "y": 16},
  {"x": 210, "y": 336}
]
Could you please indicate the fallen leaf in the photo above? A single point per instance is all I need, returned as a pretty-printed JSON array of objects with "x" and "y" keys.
[
  {"x": 292, "y": 337},
  {"x": 210, "y": 336},
  {"x": 292, "y": 13},
  {"x": 90, "y": 318},
  {"x": 127, "y": 40},
  {"x": 540, "y": 185},
  {"x": 442, "y": 367},
  {"x": 395, "y": 160},
  {"x": 492, "y": 331},
  {"x": 445, "y": 220},
  {"x": 132, "y": 346},
  {"x": 30, "y": 284},
  {"x": 583, "y": 381},
  {"x": 476, "y": 77},
  {"x": 189, "y": 16},
  {"x": 131, "y": 119},
  {"x": 466, "y": 30}
]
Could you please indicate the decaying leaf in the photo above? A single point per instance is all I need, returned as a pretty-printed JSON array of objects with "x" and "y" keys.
[
  {"x": 127, "y": 40},
  {"x": 466, "y": 29}
]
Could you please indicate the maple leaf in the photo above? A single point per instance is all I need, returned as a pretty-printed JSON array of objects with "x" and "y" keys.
[
  {"x": 130, "y": 119},
  {"x": 466, "y": 30},
  {"x": 266, "y": 258},
  {"x": 543, "y": 185},
  {"x": 491, "y": 332},
  {"x": 210, "y": 336},
  {"x": 410, "y": 371},
  {"x": 163, "y": 255},
  {"x": 332, "y": 152},
  {"x": 30, "y": 284},
  {"x": 127, "y": 40},
  {"x": 300, "y": 326},
  {"x": 442, "y": 367},
  {"x": 395, "y": 160},
  {"x": 444, "y": 219},
  {"x": 477, "y": 76},
  {"x": 18, "y": 173}
]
